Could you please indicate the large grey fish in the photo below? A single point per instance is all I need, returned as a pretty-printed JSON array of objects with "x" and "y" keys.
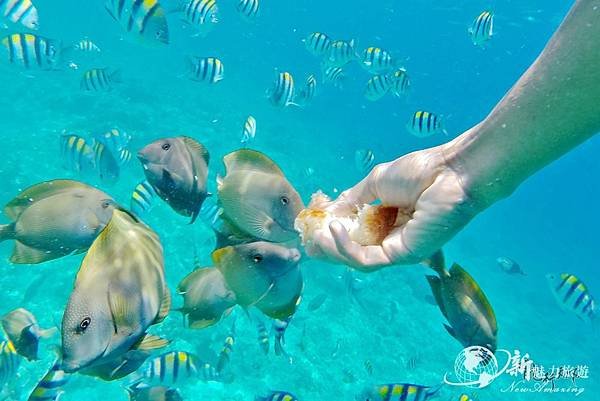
[
  {"x": 54, "y": 219},
  {"x": 262, "y": 274},
  {"x": 177, "y": 169},
  {"x": 206, "y": 297},
  {"x": 119, "y": 292},
  {"x": 257, "y": 198},
  {"x": 470, "y": 316},
  {"x": 21, "y": 327}
]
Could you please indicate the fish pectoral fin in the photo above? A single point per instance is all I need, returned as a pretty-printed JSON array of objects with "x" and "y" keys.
[
  {"x": 259, "y": 222},
  {"x": 124, "y": 312},
  {"x": 150, "y": 343},
  {"x": 24, "y": 254},
  {"x": 450, "y": 330}
]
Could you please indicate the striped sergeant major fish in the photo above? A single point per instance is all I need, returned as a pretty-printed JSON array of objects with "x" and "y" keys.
[
  {"x": 107, "y": 165},
  {"x": 77, "y": 155},
  {"x": 377, "y": 87},
  {"x": 248, "y": 8},
  {"x": 50, "y": 387},
  {"x": 334, "y": 76},
  {"x": 309, "y": 90},
  {"x": 9, "y": 361},
  {"x": 86, "y": 45},
  {"x": 263, "y": 336},
  {"x": 364, "y": 160},
  {"x": 279, "y": 328},
  {"x": 206, "y": 69},
  {"x": 249, "y": 130},
  {"x": 340, "y": 53},
  {"x": 170, "y": 368},
  {"x": 31, "y": 51},
  {"x": 424, "y": 124},
  {"x": 142, "y": 198},
  {"x": 114, "y": 139},
  {"x": 145, "y": 19},
  {"x": 573, "y": 295},
  {"x": 482, "y": 29},
  {"x": 202, "y": 14},
  {"x": 225, "y": 354},
  {"x": 377, "y": 60},
  {"x": 318, "y": 44},
  {"x": 399, "y": 392},
  {"x": 99, "y": 80},
  {"x": 20, "y": 12},
  {"x": 282, "y": 93},
  {"x": 400, "y": 82},
  {"x": 277, "y": 396}
]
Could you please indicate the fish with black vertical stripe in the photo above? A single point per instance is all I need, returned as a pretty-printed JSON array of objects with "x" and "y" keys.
[
  {"x": 143, "y": 19},
  {"x": 30, "y": 51},
  {"x": 572, "y": 295},
  {"x": 99, "y": 80},
  {"x": 482, "y": 29},
  {"x": 206, "y": 69},
  {"x": 424, "y": 124},
  {"x": 248, "y": 8},
  {"x": 50, "y": 387},
  {"x": 21, "y": 12}
]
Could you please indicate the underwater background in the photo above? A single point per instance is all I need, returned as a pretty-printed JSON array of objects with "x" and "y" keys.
[{"x": 549, "y": 225}]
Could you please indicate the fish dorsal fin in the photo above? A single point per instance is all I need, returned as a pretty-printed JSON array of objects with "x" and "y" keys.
[
  {"x": 457, "y": 273},
  {"x": 165, "y": 306},
  {"x": 191, "y": 278},
  {"x": 150, "y": 343},
  {"x": 37, "y": 192},
  {"x": 247, "y": 159},
  {"x": 196, "y": 146}
]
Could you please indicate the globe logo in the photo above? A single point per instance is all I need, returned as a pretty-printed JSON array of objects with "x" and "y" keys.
[{"x": 477, "y": 367}]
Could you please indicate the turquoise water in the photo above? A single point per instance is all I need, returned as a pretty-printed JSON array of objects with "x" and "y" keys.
[{"x": 548, "y": 225}]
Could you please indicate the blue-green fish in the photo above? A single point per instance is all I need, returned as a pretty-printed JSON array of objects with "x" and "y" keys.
[
  {"x": 423, "y": 124},
  {"x": 206, "y": 69},
  {"x": 335, "y": 76},
  {"x": 400, "y": 82},
  {"x": 77, "y": 154},
  {"x": 377, "y": 60},
  {"x": 364, "y": 160},
  {"x": 309, "y": 90},
  {"x": 50, "y": 387},
  {"x": 107, "y": 165},
  {"x": 282, "y": 93},
  {"x": 87, "y": 46},
  {"x": 20, "y": 12},
  {"x": 142, "y": 198},
  {"x": 9, "y": 362},
  {"x": 318, "y": 43},
  {"x": 30, "y": 51},
  {"x": 145, "y": 19},
  {"x": 573, "y": 295},
  {"x": 99, "y": 80},
  {"x": 248, "y": 8},
  {"x": 398, "y": 392},
  {"x": 482, "y": 29},
  {"x": 377, "y": 87},
  {"x": 201, "y": 14},
  {"x": 249, "y": 131},
  {"x": 340, "y": 53}
]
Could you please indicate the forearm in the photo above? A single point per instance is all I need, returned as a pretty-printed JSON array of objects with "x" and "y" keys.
[{"x": 554, "y": 107}]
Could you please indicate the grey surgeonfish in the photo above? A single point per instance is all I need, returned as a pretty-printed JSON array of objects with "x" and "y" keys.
[
  {"x": 262, "y": 274},
  {"x": 22, "y": 328},
  {"x": 257, "y": 198},
  {"x": 54, "y": 219},
  {"x": 206, "y": 297},
  {"x": 177, "y": 169},
  {"x": 471, "y": 319},
  {"x": 119, "y": 292}
]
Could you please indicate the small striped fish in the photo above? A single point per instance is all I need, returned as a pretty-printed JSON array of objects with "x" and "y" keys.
[
  {"x": 225, "y": 354},
  {"x": 400, "y": 82},
  {"x": 50, "y": 386},
  {"x": 400, "y": 392},
  {"x": 279, "y": 328},
  {"x": 209, "y": 373},
  {"x": 309, "y": 90},
  {"x": 263, "y": 336},
  {"x": 465, "y": 397},
  {"x": 334, "y": 76},
  {"x": 86, "y": 45},
  {"x": 572, "y": 294},
  {"x": 141, "y": 392},
  {"x": 364, "y": 160},
  {"x": 377, "y": 87},
  {"x": 115, "y": 139},
  {"x": 282, "y": 94},
  {"x": 99, "y": 80},
  {"x": 77, "y": 155},
  {"x": 278, "y": 396},
  {"x": 376, "y": 60},
  {"x": 482, "y": 29},
  {"x": 31, "y": 51},
  {"x": 318, "y": 44},
  {"x": 206, "y": 69},
  {"x": 424, "y": 124},
  {"x": 249, "y": 131},
  {"x": 107, "y": 165},
  {"x": 248, "y": 8},
  {"x": 171, "y": 367},
  {"x": 20, "y": 12},
  {"x": 202, "y": 14},
  {"x": 142, "y": 18},
  {"x": 340, "y": 53},
  {"x": 142, "y": 198},
  {"x": 9, "y": 362}
]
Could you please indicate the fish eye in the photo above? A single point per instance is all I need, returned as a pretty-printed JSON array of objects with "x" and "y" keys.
[
  {"x": 257, "y": 258},
  {"x": 84, "y": 324},
  {"x": 166, "y": 146},
  {"x": 284, "y": 200},
  {"x": 105, "y": 204}
]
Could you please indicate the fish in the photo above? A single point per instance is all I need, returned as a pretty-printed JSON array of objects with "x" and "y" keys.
[
  {"x": 364, "y": 160},
  {"x": 143, "y": 19},
  {"x": 50, "y": 386},
  {"x": 206, "y": 69},
  {"x": 317, "y": 301},
  {"x": 153, "y": 393},
  {"x": 206, "y": 297},
  {"x": 54, "y": 219},
  {"x": 249, "y": 130},
  {"x": 377, "y": 87},
  {"x": 124, "y": 365},
  {"x": 282, "y": 93},
  {"x": 509, "y": 266},
  {"x": 29, "y": 51},
  {"x": 248, "y": 8},
  {"x": 87, "y": 46},
  {"x": 424, "y": 124},
  {"x": 471, "y": 319},
  {"x": 465, "y": 397},
  {"x": 399, "y": 391},
  {"x": 114, "y": 139},
  {"x": 279, "y": 328},
  {"x": 21, "y": 12},
  {"x": 482, "y": 29},
  {"x": 142, "y": 198},
  {"x": 277, "y": 396},
  {"x": 9, "y": 362},
  {"x": 23, "y": 330},
  {"x": 120, "y": 291},
  {"x": 99, "y": 80},
  {"x": 107, "y": 165},
  {"x": 318, "y": 44},
  {"x": 171, "y": 368},
  {"x": 177, "y": 169},
  {"x": 309, "y": 90},
  {"x": 377, "y": 60},
  {"x": 335, "y": 76},
  {"x": 263, "y": 336},
  {"x": 340, "y": 53},
  {"x": 264, "y": 275},
  {"x": 77, "y": 154},
  {"x": 201, "y": 14},
  {"x": 225, "y": 354},
  {"x": 400, "y": 82},
  {"x": 256, "y": 197},
  {"x": 572, "y": 295},
  {"x": 123, "y": 157}
]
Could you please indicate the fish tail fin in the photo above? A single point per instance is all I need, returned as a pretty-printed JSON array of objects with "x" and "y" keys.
[
  {"x": 116, "y": 76},
  {"x": 7, "y": 231}
]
